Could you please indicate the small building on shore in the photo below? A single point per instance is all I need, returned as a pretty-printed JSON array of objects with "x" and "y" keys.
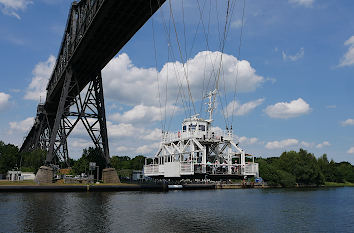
[
  {"x": 137, "y": 175},
  {"x": 20, "y": 176}
]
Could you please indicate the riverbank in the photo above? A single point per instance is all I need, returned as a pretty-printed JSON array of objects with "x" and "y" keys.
[
  {"x": 82, "y": 188},
  {"x": 334, "y": 184},
  {"x": 30, "y": 186}
]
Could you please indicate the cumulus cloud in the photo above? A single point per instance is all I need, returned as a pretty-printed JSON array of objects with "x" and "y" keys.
[
  {"x": 323, "y": 144},
  {"x": 4, "y": 101},
  {"x": 348, "y": 122},
  {"x": 124, "y": 138},
  {"x": 281, "y": 144},
  {"x": 348, "y": 58},
  {"x": 138, "y": 86},
  {"x": 21, "y": 126},
  {"x": 147, "y": 148},
  {"x": 291, "y": 109},
  {"x": 295, "y": 57},
  {"x": 81, "y": 143},
  {"x": 124, "y": 149},
  {"x": 246, "y": 140},
  {"x": 351, "y": 150},
  {"x": 238, "y": 109},
  {"x": 11, "y": 7},
  {"x": 307, "y": 144},
  {"x": 38, "y": 85},
  {"x": 305, "y": 3},
  {"x": 142, "y": 113}
]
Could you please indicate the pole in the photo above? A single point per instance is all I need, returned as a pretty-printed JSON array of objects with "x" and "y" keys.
[{"x": 98, "y": 172}]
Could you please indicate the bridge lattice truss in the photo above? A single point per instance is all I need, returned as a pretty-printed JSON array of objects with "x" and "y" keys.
[{"x": 95, "y": 32}]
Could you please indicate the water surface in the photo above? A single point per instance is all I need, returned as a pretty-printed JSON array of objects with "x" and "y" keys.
[{"x": 237, "y": 210}]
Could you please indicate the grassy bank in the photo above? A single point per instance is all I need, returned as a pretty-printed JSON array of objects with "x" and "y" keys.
[{"x": 335, "y": 184}]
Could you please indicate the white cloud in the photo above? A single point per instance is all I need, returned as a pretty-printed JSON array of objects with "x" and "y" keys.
[
  {"x": 38, "y": 85},
  {"x": 138, "y": 86},
  {"x": 305, "y": 3},
  {"x": 287, "y": 110},
  {"x": 4, "y": 101},
  {"x": 348, "y": 58},
  {"x": 242, "y": 109},
  {"x": 141, "y": 113},
  {"x": 122, "y": 149},
  {"x": 295, "y": 57},
  {"x": 351, "y": 150},
  {"x": 154, "y": 135},
  {"x": 307, "y": 144},
  {"x": 21, "y": 126},
  {"x": 348, "y": 122},
  {"x": 323, "y": 144},
  {"x": 81, "y": 143},
  {"x": 246, "y": 140},
  {"x": 146, "y": 149},
  {"x": 11, "y": 7},
  {"x": 281, "y": 144}
]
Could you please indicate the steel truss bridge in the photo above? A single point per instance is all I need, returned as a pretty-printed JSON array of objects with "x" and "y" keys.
[{"x": 96, "y": 31}]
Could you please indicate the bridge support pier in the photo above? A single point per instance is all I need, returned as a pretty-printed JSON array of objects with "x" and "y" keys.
[
  {"x": 87, "y": 108},
  {"x": 44, "y": 175},
  {"x": 110, "y": 176}
]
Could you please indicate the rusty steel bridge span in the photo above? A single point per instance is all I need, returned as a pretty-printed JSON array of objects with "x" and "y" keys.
[{"x": 96, "y": 30}]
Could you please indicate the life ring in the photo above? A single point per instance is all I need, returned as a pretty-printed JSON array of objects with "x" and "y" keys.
[{"x": 179, "y": 134}]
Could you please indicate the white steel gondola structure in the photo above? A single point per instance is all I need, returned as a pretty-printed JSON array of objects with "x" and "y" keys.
[{"x": 200, "y": 151}]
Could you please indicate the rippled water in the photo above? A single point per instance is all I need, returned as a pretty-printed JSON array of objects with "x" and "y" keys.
[{"x": 239, "y": 210}]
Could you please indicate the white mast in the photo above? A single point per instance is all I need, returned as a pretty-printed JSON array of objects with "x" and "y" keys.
[{"x": 211, "y": 103}]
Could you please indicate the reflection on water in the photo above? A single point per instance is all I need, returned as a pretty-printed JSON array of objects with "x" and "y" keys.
[{"x": 251, "y": 210}]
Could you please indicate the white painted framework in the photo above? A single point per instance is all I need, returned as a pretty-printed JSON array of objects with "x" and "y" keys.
[{"x": 200, "y": 149}]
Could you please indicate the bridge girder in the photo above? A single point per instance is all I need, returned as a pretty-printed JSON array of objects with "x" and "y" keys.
[{"x": 95, "y": 32}]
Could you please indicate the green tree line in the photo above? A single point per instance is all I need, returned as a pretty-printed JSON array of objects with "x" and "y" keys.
[
  {"x": 302, "y": 168},
  {"x": 289, "y": 169},
  {"x": 10, "y": 158}
]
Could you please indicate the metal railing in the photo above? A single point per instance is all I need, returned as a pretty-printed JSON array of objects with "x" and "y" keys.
[
  {"x": 214, "y": 135},
  {"x": 186, "y": 168}
]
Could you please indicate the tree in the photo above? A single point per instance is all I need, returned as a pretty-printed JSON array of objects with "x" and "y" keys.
[
  {"x": 89, "y": 155},
  {"x": 303, "y": 166},
  {"x": 9, "y": 157},
  {"x": 32, "y": 161}
]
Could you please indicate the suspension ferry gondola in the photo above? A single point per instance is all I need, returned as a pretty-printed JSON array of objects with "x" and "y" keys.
[{"x": 200, "y": 151}]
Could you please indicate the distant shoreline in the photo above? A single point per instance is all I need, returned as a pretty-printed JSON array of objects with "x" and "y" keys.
[{"x": 29, "y": 186}]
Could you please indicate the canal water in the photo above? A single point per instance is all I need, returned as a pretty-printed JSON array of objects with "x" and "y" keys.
[{"x": 237, "y": 210}]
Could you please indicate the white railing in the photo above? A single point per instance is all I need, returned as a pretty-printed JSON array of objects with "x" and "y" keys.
[
  {"x": 186, "y": 168},
  {"x": 151, "y": 170},
  {"x": 251, "y": 169},
  {"x": 217, "y": 134}
]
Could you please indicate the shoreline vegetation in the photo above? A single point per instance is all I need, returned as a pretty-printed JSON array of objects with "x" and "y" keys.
[{"x": 290, "y": 169}]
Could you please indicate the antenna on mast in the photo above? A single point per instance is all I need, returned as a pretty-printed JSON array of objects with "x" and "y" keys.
[{"x": 211, "y": 103}]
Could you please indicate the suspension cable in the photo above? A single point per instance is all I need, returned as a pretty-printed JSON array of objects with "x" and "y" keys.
[
  {"x": 157, "y": 72},
  {"x": 181, "y": 56},
  {"x": 169, "y": 45},
  {"x": 238, "y": 61}
]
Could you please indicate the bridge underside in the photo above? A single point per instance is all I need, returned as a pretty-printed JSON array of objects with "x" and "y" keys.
[{"x": 96, "y": 31}]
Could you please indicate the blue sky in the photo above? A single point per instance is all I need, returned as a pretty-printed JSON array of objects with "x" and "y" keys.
[{"x": 294, "y": 81}]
